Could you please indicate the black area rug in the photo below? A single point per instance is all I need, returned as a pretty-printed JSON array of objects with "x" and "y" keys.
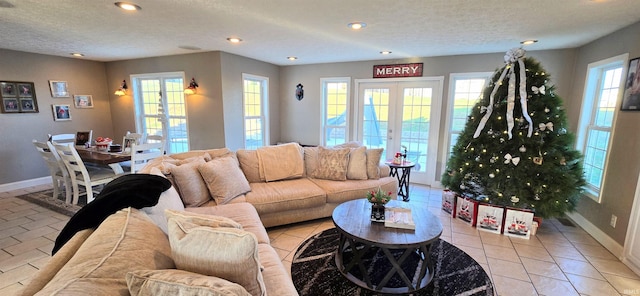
[
  {"x": 314, "y": 270},
  {"x": 45, "y": 199}
]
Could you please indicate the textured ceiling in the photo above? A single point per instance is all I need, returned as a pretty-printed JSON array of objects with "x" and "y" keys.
[{"x": 315, "y": 31}]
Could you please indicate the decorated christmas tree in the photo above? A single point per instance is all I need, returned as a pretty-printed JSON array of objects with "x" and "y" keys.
[{"x": 515, "y": 149}]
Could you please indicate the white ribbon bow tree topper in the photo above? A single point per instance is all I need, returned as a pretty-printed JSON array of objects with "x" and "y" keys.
[
  {"x": 515, "y": 55},
  {"x": 508, "y": 158}
]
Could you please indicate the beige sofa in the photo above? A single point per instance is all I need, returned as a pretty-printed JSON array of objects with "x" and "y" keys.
[
  {"x": 299, "y": 194},
  {"x": 130, "y": 254}
]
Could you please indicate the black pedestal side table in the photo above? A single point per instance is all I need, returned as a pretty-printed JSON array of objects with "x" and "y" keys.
[{"x": 402, "y": 171}]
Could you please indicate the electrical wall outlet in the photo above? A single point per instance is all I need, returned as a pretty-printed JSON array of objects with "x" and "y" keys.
[{"x": 614, "y": 219}]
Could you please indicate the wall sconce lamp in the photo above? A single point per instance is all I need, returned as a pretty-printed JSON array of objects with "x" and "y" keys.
[
  {"x": 192, "y": 87},
  {"x": 123, "y": 89}
]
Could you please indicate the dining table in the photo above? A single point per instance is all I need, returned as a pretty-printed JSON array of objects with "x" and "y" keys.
[{"x": 111, "y": 159}]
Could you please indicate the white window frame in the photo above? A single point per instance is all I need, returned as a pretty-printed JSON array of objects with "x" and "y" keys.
[
  {"x": 453, "y": 77},
  {"x": 264, "y": 117},
  {"x": 592, "y": 87},
  {"x": 323, "y": 107},
  {"x": 139, "y": 118}
]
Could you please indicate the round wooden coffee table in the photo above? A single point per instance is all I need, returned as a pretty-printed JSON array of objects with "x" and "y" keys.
[{"x": 360, "y": 237}]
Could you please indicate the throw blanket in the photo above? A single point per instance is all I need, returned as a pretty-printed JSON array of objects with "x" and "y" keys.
[
  {"x": 280, "y": 162},
  {"x": 134, "y": 190}
]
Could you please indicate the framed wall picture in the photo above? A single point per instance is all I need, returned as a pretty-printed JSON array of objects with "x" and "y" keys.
[
  {"x": 83, "y": 101},
  {"x": 18, "y": 97},
  {"x": 61, "y": 112},
  {"x": 59, "y": 89},
  {"x": 631, "y": 98},
  {"x": 10, "y": 105}
]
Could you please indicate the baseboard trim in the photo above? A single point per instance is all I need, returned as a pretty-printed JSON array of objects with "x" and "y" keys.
[
  {"x": 614, "y": 247},
  {"x": 24, "y": 184}
]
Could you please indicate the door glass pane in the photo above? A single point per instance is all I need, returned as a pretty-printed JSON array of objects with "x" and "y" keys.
[
  {"x": 376, "y": 119},
  {"x": 416, "y": 114}
]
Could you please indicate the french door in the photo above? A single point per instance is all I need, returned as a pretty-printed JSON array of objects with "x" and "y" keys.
[
  {"x": 161, "y": 110},
  {"x": 402, "y": 113}
]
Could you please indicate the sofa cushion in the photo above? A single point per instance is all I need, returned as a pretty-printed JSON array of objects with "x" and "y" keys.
[
  {"x": 179, "y": 282},
  {"x": 373, "y": 162},
  {"x": 357, "y": 168},
  {"x": 119, "y": 245},
  {"x": 201, "y": 219},
  {"x": 280, "y": 162},
  {"x": 243, "y": 213},
  {"x": 342, "y": 191},
  {"x": 276, "y": 277},
  {"x": 224, "y": 179},
  {"x": 193, "y": 190},
  {"x": 285, "y": 195},
  {"x": 332, "y": 163},
  {"x": 224, "y": 252},
  {"x": 169, "y": 199},
  {"x": 250, "y": 165}
]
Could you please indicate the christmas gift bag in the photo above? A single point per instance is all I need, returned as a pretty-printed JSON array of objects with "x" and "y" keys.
[
  {"x": 449, "y": 202},
  {"x": 490, "y": 218},
  {"x": 518, "y": 223},
  {"x": 466, "y": 210}
]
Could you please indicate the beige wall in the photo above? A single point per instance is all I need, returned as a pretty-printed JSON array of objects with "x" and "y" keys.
[
  {"x": 204, "y": 109},
  {"x": 300, "y": 120},
  {"x": 18, "y": 157},
  {"x": 232, "y": 67},
  {"x": 619, "y": 186}
]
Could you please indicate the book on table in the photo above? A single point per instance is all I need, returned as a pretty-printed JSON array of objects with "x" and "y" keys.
[{"x": 399, "y": 218}]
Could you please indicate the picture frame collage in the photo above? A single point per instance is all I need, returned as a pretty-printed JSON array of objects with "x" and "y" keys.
[{"x": 18, "y": 97}]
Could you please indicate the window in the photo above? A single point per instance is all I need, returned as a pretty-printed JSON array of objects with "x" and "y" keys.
[
  {"x": 335, "y": 111},
  {"x": 161, "y": 109},
  {"x": 602, "y": 89},
  {"x": 464, "y": 92},
  {"x": 255, "y": 98}
]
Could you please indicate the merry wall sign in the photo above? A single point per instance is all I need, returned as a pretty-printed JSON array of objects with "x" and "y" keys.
[{"x": 400, "y": 70}]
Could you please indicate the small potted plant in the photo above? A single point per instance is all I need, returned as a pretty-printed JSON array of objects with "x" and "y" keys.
[{"x": 378, "y": 199}]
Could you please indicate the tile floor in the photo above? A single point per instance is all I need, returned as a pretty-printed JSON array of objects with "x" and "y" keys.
[{"x": 559, "y": 260}]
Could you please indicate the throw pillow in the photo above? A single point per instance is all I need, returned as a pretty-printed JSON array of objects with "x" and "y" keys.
[
  {"x": 202, "y": 219},
  {"x": 250, "y": 165},
  {"x": 373, "y": 163},
  {"x": 357, "y": 168},
  {"x": 310, "y": 160},
  {"x": 170, "y": 199},
  {"x": 228, "y": 253},
  {"x": 179, "y": 282},
  {"x": 332, "y": 164},
  {"x": 191, "y": 186},
  {"x": 224, "y": 179}
]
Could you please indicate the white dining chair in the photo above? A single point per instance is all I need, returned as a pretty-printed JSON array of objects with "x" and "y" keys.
[
  {"x": 57, "y": 169},
  {"x": 67, "y": 139},
  {"x": 156, "y": 139},
  {"x": 143, "y": 153},
  {"x": 80, "y": 175}
]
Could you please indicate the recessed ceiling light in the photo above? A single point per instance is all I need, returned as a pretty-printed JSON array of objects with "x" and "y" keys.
[
  {"x": 385, "y": 52},
  {"x": 357, "y": 25},
  {"x": 234, "y": 40},
  {"x": 527, "y": 42},
  {"x": 77, "y": 54},
  {"x": 128, "y": 6},
  {"x": 292, "y": 58}
]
